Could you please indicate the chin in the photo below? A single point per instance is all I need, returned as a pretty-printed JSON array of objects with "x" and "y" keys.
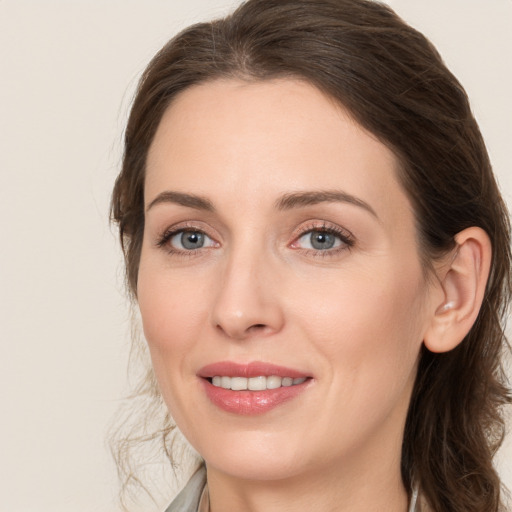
[
  {"x": 254, "y": 468},
  {"x": 255, "y": 457}
]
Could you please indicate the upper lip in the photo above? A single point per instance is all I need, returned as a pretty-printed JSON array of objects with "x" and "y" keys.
[{"x": 252, "y": 369}]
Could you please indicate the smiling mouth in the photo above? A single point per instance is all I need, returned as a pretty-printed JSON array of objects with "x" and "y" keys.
[
  {"x": 252, "y": 388},
  {"x": 259, "y": 383}
]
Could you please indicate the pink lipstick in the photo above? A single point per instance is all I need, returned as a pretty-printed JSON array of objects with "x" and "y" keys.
[{"x": 253, "y": 388}]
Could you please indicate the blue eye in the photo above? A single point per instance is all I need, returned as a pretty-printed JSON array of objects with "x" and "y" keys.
[
  {"x": 188, "y": 240},
  {"x": 321, "y": 240}
]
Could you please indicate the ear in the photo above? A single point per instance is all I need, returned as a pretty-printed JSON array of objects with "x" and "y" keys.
[{"x": 463, "y": 281}]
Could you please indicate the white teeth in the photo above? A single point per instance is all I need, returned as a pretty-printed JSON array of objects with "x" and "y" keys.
[
  {"x": 225, "y": 382},
  {"x": 259, "y": 383},
  {"x": 274, "y": 382},
  {"x": 238, "y": 383}
]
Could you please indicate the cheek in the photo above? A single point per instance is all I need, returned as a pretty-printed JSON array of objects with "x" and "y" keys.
[
  {"x": 370, "y": 324},
  {"x": 169, "y": 302},
  {"x": 172, "y": 317},
  {"x": 173, "y": 320},
  {"x": 368, "y": 334}
]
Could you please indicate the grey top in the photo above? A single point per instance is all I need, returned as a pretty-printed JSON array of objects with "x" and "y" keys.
[{"x": 189, "y": 498}]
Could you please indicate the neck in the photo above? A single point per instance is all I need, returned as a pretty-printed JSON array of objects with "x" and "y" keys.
[{"x": 374, "y": 486}]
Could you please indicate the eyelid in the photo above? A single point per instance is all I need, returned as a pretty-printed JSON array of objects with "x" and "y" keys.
[
  {"x": 346, "y": 237},
  {"x": 178, "y": 235},
  {"x": 164, "y": 237}
]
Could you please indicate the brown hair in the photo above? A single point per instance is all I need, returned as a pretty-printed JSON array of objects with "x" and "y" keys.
[{"x": 394, "y": 83}]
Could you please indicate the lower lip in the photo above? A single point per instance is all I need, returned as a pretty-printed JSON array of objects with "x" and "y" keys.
[{"x": 251, "y": 403}]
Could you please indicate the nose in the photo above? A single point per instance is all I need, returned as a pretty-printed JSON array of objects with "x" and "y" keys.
[{"x": 248, "y": 301}]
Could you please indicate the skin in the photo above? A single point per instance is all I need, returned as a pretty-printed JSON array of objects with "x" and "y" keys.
[{"x": 353, "y": 317}]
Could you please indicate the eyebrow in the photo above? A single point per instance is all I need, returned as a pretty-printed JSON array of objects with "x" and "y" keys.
[
  {"x": 188, "y": 200},
  {"x": 300, "y": 199},
  {"x": 285, "y": 202}
]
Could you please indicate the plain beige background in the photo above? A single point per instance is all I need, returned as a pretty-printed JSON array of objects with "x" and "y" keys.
[{"x": 67, "y": 74}]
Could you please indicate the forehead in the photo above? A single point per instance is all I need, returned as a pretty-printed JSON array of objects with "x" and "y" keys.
[{"x": 229, "y": 139}]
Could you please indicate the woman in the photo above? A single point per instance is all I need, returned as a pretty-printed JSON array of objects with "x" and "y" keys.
[{"x": 320, "y": 256}]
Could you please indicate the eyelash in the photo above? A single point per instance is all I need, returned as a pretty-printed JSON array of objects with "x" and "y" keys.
[
  {"x": 346, "y": 238},
  {"x": 164, "y": 239}
]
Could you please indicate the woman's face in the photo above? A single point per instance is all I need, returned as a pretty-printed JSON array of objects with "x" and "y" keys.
[{"x": 279, "y": 245}]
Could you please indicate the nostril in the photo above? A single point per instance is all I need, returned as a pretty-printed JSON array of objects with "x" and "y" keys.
[{"x": 257, "y": 328}]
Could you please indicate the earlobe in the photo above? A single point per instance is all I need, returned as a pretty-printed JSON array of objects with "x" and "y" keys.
[{"x": 463, "y": 281}]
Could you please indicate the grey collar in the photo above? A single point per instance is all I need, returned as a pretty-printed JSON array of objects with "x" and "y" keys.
[
  {"x": 414, "y": 499},
  {"x": 188, "y": 499}
]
